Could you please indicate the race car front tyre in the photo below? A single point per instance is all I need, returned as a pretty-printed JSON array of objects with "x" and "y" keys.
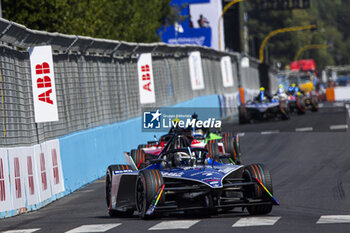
[
  {"x": 261, "y": 173},
  {"x": 148, "y": 183},
  {"x": 112, "y": 212}
]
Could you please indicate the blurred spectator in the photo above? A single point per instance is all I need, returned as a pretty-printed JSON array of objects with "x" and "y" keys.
[{"x": 203, "y": 22}]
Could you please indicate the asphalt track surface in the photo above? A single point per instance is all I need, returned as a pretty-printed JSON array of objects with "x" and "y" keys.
[{"x": 311, "y": 178}]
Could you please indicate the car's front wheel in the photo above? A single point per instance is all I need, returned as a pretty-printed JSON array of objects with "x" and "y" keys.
[
  {"x": 260, "y": 172},
  {"x": 148, "y": 183}
]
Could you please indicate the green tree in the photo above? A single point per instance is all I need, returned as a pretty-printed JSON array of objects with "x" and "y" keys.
[
  {"x": 131, "y": 20},
  {"x": 333, "y": 22}
]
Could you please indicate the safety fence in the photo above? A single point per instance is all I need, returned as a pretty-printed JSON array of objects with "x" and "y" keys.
[{"x": 97, "y": 81}]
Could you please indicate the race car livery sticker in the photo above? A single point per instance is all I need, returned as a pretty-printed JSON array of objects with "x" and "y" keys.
[
  {"x": 211, "y": 176},
  {"x": 122, "y": 171}
]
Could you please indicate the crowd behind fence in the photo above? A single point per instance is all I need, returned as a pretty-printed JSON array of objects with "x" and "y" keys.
[{"x": 97, "y": 81}]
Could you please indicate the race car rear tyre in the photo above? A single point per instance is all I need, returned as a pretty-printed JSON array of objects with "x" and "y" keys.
[
  {"x": 285, "y": 111},
  {"x": 109, "y": 175},
  {"x": 212, "y": 148},
  {"x": 243, "y": 117},
  {"x": 300, "y": 102},
  {"x": 260, "y": 172},
  {"x": 148, "y": 183},
  {"x": 139, "y": 158},
  {"x": 314, "y": 104},
  {"x": 232, "y": 147}
]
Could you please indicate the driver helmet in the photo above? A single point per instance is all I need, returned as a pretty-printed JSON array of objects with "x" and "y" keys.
[
  {"x": 198, "y": 133},
  {"x": 280, "y": 89}
]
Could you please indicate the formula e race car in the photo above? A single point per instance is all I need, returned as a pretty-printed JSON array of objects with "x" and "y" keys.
[
  {"x": 256, "y": 110},
  {"x": 186, "y": 180},
  {"x": 226, "y": 143},
  {"x": 302, "y": 94}
]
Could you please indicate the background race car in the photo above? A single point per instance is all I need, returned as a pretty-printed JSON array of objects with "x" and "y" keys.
[
  {"x": 256, "y": 110},
  {"x": 221, "y": 143}
]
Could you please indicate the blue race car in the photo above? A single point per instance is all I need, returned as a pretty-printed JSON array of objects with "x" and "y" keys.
[
  {"x": 256, "y": 110},
  {"x": 187, "y": 179}
]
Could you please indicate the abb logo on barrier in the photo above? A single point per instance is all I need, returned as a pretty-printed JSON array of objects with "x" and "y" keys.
[
  {"x": 146, "y": 77},
  {"x": 43, "y": 172},
  {"x": 55, "y": 166},
  {"x": 44, "y": 81},
  {"x": 17, "y": 178},
  {"x": 2, "y": 182},
  {"x": 30, "y": 175}
]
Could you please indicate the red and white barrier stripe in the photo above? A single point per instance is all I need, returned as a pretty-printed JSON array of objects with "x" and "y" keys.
[
  {"x": 35, "y": 172},
  {"x": 5, "y": 198}
]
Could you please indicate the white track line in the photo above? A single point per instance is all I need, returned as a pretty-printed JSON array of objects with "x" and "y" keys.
[
  {"x": 305, "y": 129},
  {"x": 256, "y": 221},
  {"x": 320, "y": 105},
  {"x": 336, "y": 127},
  {"x": 270, "y": 132},
  {"x": 93, "y": 228},
  {"x": 22, "y": 231},
  {"x": 334, "y": 219},
  {"x": 338, "y": 104},
  {"x": 241, "y": 134},
  {"x": 171, "y": 225}
]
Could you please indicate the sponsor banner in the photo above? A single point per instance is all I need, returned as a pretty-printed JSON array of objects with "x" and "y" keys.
[
  {"x": 146, "y": 80},
  {"x": 245, "y": 62},
  {"x": 54, "y": 159},
  {"x": 17, "y": 176},
  {"x": 226, "y": 71},
  {"x": 31, "y": 176},
  {"x": 43, "y": 170},
  {"x": 43, "y": 84},
  {"x": 5, "y": 195},
  {"x": 196, "y": 71}
]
